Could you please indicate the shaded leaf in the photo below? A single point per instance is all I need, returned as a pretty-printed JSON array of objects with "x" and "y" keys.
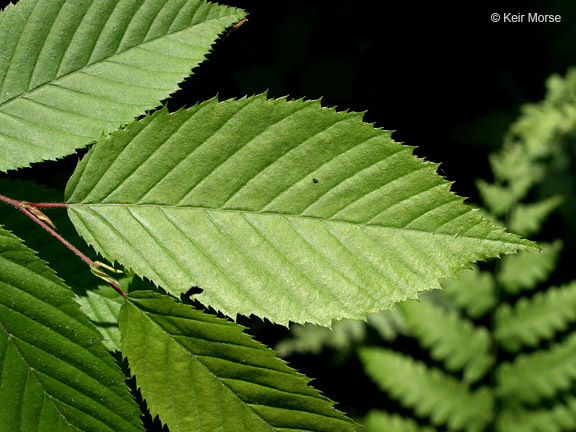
[
  {"x": 222, "y": 196},
  {"x": 185, "y": 360},
  {"x": 55, "y": 375},
  {"x": 102, "y": 306},
  {"x": 71, "y": 71}
]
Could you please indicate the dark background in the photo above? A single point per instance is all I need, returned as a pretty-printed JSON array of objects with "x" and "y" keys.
[{"x": 443, "y": 76}]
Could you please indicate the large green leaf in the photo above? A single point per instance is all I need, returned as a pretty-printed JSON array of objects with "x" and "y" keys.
[
  {"x": 286, "y": 210},
  {"x": 55, "y": 375},
  {"x": 199, "y": 373},
  {"x": 71, "y": 71}
]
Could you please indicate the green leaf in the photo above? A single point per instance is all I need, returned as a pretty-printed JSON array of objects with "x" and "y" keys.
[
  {"x": 539, "y": 375},
  {"x": 452, "y": 339},
  {"x": 185, "y": 360},
  {"x": 97, "y": 300},
  {"x": 102, "y": 306},
  {"x": 55, "y": 375},
  {"x": 379, "y": 421},
  {"x": 535, "y": 319},
  {"x": 71, "y": 71},
  {"x": 285, "y": 210},
  {"x": 472, "y": 290},
  {"x": 430, "y": 392},
  {"x": 527, "y": 269}
]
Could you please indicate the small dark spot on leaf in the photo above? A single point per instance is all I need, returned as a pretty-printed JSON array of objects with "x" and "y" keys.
[{"x": 314, "y": 180}]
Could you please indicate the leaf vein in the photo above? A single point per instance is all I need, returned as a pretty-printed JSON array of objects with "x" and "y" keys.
[{"x": 279, "y": 157}]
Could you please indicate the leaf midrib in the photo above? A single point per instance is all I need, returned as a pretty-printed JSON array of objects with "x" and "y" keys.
[
  {"x": 296, "y": 216},
  {"x": 57, "y": 80}
]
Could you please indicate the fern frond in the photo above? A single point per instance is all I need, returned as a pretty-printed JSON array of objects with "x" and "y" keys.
[
  {"x": 536, "y": 136},
  {"x": 527, "y": 219},
  {"x": 497, "y": 198},
  {"x": 524, "y": 271},
  {"x": 452, "y": 339},
  {"x": 311, "y": 339},
  {"x": 542, "y": 123},
  {"x": 533, "y": 320},
  {"x": 378, "y": 421},
  {"x": 429, "y": 392},
  {"x": 561, "y": 417},
  {"x": 513, "y": 166},
  {"x": 388, "y": 324},
  {"x": 472, "y": 290},
  {"x": 536, "y": 376}
]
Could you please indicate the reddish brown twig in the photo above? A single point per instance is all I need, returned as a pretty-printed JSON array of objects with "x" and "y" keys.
[{"x": 28, "y": 209}]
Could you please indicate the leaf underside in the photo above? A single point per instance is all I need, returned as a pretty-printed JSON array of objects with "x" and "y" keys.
[
  {"x": 185, "y": 360},
  {"x": 71, "y": 71},
  {"x": 286, "y": 210},
  {"x": 55, "y": 375}
]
